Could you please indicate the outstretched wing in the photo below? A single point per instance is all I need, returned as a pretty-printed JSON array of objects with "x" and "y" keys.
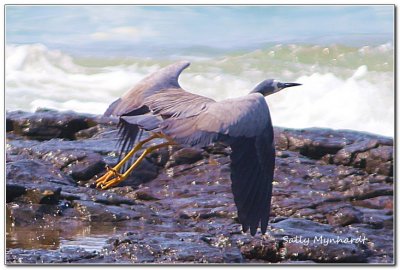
[
  {"x": 165, "y": 78},
  {"x": 238, "y": 117},
  {"x": 177, "y": 103},
  {"x": 252, "y": 172},
  {"x": 132, "y": 102},
  {"x": 246, "y": 125}
]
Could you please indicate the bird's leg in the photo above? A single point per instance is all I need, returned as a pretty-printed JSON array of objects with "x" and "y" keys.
[
  {"x": 121, "y": 177},
  {"x": 112, "y": 172}
]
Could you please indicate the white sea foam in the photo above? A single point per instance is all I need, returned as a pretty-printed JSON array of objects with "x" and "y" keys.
[
  {"x": 341, "y": 97},
  {"x": 327, "y": 101}
]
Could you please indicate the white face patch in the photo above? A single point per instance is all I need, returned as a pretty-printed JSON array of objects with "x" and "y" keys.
[{"x": 275, "y": 85}]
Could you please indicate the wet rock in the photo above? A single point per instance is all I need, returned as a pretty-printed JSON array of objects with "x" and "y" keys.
[
  {"x": 218, "y": 149},
  {"x": 281, "y": 140},
  {"x": 380, "y": 161},
  {"x": 380, "y": 202},
  {"x": 316, "y": 143},
  {"x": 368, "y": 190},
  {"x": 379, "y": 241},
  {"x": 66, "y": 255},
  {"x": 145, "y": 172},
  {"x": 160, "y": 157},
  {"x": 90, "y": 132},
  {"x": 377, "y": 218},
  {"x": 144, "y": 194},
  {"x": 88, "y": 167},
  {"x": 50, "y": 196},
  {"x": 9, "y": 125},
  {"x": 48, "y": 124},
  {"x": 98, "y": 212},
  {"x": 182, "y": 247},
  {"x": 28, "y": 214},
  {"x": 346, "y": 155},
  {"x": 328, "y": 184},
  {"x": 33, "y": 172},
  {"x": 261, "y": 249},
  {"x": 318, "y": 243},
  {"x": 112, "y": 199},
  {"x": 13, "y": 191},
  {"x": 344, "y": 216},
  {"x": 184, "y": 156}
]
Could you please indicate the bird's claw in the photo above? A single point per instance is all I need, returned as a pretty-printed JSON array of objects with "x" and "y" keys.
[
  {"x": 111, "y": 178},
  {"x": 112, "y": 182}
]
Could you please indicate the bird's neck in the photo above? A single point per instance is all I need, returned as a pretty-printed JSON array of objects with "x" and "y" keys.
[{"x": 257, "y": 90}]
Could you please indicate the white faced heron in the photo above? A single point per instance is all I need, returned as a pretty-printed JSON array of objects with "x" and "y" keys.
[{"x": 159, "y": 105}]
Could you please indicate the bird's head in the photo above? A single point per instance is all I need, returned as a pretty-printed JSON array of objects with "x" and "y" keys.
[{"x": 271, "y": 86}]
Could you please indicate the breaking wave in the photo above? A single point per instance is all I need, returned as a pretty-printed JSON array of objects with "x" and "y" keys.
[{"x": 343, "y": 87}]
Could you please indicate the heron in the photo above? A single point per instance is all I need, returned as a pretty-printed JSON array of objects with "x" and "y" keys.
[{"x": 159, "y": 105}]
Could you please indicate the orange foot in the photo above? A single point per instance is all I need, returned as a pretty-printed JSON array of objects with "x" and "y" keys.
[{"x": 111, "y": 178}]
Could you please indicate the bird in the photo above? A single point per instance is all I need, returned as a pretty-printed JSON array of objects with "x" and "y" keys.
[{"x": 159, "y": 105}]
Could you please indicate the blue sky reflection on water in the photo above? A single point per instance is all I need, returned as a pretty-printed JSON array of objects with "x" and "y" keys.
[{"x": 139, "y": 29}]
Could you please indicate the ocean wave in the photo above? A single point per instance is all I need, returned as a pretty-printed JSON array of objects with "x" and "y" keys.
[{"x": 343, "y": 87}]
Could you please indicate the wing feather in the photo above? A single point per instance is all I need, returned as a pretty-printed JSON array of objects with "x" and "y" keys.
[
  {"x": 198, "y": 121},
  {"x": 252, "y": 170},
  {"x": 132, "y": 102},
  {"x": 177, "y": 103},
  {"x": 246, "y": 125},
  {"x": 165, "y": 78},
  {"x": 246, "y": 116}
]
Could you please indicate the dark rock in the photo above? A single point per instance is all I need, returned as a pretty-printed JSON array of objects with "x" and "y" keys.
[
  {"x": 316, "y": 143},
  {"x": 112, "y": 199},
  {"x": 89, "y": 132},
  {"x": 344, "y": 216},
  {"x": 13, "y": 191},
  {"x": 360, "y": 160},
  {"x": 281, "y": 141},
  {"x": 368, "y": 190},
  {"x": 186, "y": 213},
  {"x": 29, "y": 214},
  {"x": 159, "y": 247},
  {"x": 377, "y": 218},
  {"x": 88, "y": 167},
  {"x": 45, "y": 125},
  {"x": 50, "y": 197},
  {"x": 184, "y": 156},
  {"x": 41, "y": 195},
  {"x": 9, "y": 125},
  {"x": 299, "y": 243},
  {"x": 266, "y": 250},
  {"x": 218, "y": 149},
  {"x": 144, "y": 194},
  {"x": 346, "y": 155},
  {"x": 98, "y": 212},
  {"x": 380, "y": 161},
  {"x": 380, "y": 202},
  {"x": 33, "y": 172},
  {"x": 145, "y": 172},
  {"x": 160, "y": 157},
  {"x": 66, "y": 255}
]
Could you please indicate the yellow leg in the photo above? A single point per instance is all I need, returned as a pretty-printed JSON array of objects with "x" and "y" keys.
[
  {"x": 114, "y": 171},
  {"x": 121, "y": 177}
]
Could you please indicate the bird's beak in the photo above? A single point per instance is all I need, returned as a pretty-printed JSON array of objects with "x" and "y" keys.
[{"x": 286, "y": 85}]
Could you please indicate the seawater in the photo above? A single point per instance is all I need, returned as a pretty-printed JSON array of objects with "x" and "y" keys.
[{"x": 344, "y": 87}]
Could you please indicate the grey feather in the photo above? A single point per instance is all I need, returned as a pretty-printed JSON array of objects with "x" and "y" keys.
[
  {"x": 132, "y": 103},
  {"x": 165, "y": 78},
  {"x": 246, "y": 116},
  {"x": 245, "y": 124},
  {"x": 147, "y": 121},
  {"x": 177, "y": 103},
  {"x": 158, "y": 103}
]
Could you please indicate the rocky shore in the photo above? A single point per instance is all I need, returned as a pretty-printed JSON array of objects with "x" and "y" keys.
[{"x": 332, "y": 198}]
